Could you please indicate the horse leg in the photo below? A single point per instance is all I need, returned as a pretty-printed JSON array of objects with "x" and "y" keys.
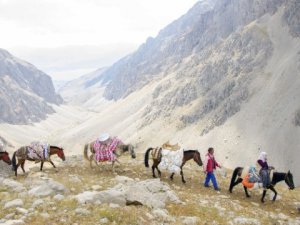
[
  {"x": 153, "y": 171},
  {"x": 239, "y": 180},
  {"x": 17, "y": 166},
  {"x": 263, "y": 196},
  {"x": 42, "y": 163},
  {"x": 181, "y": 173},
  {"x": 171, "y": 177},
  {"x": 246, "y": 192},
  {"x": 275, "y": 192},
  {"x": 52, "y": 163},
  {"x": 22, "y": 166},
  {"x": 91, "y": 160},
  {"x": 159, "y": 173},
  {"x": 113, "y": 166}
]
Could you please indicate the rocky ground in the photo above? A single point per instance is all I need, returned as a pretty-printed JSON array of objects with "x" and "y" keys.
[{"x": 76, "y": 194}]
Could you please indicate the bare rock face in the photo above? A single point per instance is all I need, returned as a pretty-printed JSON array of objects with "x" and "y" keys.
[
  {"x": 25, "y": 91},
  {"x": 292, "y": 17},
  {"x": 207, "y": 24}
]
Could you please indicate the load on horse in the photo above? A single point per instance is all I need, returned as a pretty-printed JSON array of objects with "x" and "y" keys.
[
  {"x": 171, "y": 158},
  {"x": 107, "y": 148},
  {"x": 38, "y": 152}
]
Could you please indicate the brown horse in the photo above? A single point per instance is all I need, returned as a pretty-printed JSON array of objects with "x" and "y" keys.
[
  {"x": 187, "y": 155},
  {"x": 23, "y": 157},
  {"x": 5, "y": 157},
  {"x": 120, "y": 150}
]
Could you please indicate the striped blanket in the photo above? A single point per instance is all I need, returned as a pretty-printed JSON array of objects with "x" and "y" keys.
[
  {"x": 105, "y": 151},
  {"x": 38, "y": 151}
]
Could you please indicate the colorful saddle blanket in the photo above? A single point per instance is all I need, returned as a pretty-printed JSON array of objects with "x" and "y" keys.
[
  {"x": 38, "y": 151},
  {"x": 171, "y": 160},
  {"x": 105, "y": 151}
]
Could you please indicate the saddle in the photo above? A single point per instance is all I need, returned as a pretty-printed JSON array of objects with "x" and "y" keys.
[{"x": 168, "y": 146}]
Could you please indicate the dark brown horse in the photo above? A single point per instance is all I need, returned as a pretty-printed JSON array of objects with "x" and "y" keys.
[
  {"x": 277, "y": 177},
  {"x": 187, "y": 155},
  {"x": 21, "y": 155},
  {"x": 5, "y": 157}
]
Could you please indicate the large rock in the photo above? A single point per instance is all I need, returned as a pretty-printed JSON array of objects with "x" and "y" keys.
[
  {"x": 49, "y": 187},
  {"x": 13, "y": 222},
  {"x": 108, "y": 196},
  {"x": 152, "y": 193},
  {"x": 14, "y": 203},
  {"x": 13, "y": 185}
]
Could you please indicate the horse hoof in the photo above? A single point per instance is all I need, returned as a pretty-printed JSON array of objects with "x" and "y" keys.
[{"x": 248, "y": 196}]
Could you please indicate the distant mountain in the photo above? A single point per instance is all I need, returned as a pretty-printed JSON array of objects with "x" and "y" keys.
[
  {"x": 25, "y": 91},
  {"x": 83, "y": 89},
  {"x": 58, "y": 84}
]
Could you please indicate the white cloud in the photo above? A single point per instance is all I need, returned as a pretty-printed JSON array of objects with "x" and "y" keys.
[{"x": 58, "y": 35}]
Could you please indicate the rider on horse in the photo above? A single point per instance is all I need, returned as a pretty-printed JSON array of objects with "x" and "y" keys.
[{"x": 264, "y": 169}]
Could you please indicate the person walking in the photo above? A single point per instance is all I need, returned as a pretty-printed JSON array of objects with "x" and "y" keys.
[{"x": 210, "y": 165}]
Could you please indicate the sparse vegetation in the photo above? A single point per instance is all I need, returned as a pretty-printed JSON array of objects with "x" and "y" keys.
[{"x": 205, "y": 204}]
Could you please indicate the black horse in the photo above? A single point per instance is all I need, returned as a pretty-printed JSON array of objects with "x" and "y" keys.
[
  {"x": 277, "y": 177},
  {"x": 187, "y": 155}
]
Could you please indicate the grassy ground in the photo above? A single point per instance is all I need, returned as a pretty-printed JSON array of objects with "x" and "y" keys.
[{"x": 210, "y": 206}]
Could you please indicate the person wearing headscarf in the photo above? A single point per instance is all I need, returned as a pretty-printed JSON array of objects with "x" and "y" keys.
[{"x": 264, "y": 169}]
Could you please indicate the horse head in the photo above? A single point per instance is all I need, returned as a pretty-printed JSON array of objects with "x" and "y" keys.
[
  {"x": 5, "y": 157},
  {"x": 131, "y": 151},
  {"x": 289, "y": 180},
  {"x": 59, "y": 151},
  {"x": 197, "y": 158}
]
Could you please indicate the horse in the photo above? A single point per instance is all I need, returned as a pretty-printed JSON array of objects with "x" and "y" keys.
[
  {"x": 119, "y": 151},
  {"x": 277, "y": 177},
  {"x": 5, "y": 157},
  {"x": 19, "y": 154},
  {"x": 187, "y": 155}
]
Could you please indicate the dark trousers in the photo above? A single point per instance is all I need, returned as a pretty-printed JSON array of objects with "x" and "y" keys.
[{"x": 265, "y": 178}]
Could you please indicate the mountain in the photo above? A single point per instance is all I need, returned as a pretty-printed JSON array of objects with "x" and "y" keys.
[
  {"x": 84, "y": 89},
  {"x": 25, "y": 91},
  {"x": 225, "y": 74}
]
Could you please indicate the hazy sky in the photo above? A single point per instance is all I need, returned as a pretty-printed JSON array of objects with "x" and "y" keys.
[{"x": 68, "y": 38}]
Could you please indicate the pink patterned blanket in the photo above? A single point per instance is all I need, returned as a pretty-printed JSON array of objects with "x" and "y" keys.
[{"x": 105, "y": 152}]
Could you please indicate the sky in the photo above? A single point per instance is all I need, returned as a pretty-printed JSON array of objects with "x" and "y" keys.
[{"x": 69, "y": 38}]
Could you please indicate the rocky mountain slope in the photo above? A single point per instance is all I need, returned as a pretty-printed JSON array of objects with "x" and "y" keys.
[
  {"x": 223, "y": 75},
  {"x": 25, "y": 91}
]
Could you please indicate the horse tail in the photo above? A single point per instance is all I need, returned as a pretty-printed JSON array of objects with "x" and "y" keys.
[
  {"x": 233, "y": 178},
  {"x": 85, "y": 152},
  {"x": 14, "y": 162},
  {"x": 147, "y": 157}
]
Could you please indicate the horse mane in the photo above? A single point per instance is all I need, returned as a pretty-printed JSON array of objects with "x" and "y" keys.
[
  {"x": 52, "y": 146},
  {"x": 278, "y": 176},
  {"x": 190, "y": 151}
]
